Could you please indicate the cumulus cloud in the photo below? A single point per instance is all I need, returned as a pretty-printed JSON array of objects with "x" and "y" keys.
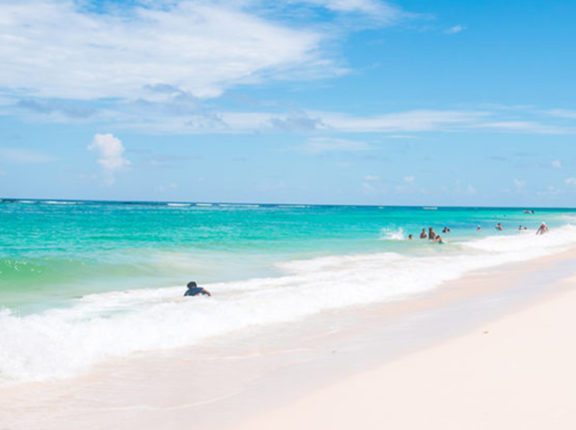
[
  {"x": 570, "y": 181},
  {"x": 110, "y": 151},
  {"x": 556, "y": 164},
  {"x": 409, "y": 179}
]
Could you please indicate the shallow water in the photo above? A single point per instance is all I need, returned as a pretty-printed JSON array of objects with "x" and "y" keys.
[{"x": 81, "y": 282}]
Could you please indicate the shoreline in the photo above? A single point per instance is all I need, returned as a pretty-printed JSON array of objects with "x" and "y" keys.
[
  {"x": 270, "y": 367},
  {"x": 515, "y": 371}
]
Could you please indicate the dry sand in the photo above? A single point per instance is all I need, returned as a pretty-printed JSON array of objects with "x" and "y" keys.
[{"x": 518, "y": 372}]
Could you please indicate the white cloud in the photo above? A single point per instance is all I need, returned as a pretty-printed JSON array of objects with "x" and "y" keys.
[
  {"x": 25, "y": 156},
  {"x": 371, "y": 178},
  {"x": 110, "y": 155},
  {"x": 519, "y": 185},
  {"x": 530, "y": 127},
  {"x": 320, "y": 145},
  {"x": 415, "y": 121},
  {"x": 409, "y": 179},
  {"x": 563, "y": 113},
  {"x": 556, "y": 164},
  {"x": 409, "y": 121},
  {"x": 383, "y": 11},
  {"x": 570, "y": 181},
  {"x": 176, "y": 112},
  {"x": 455, "y": 29},
  {"x": 50, "y": 48}
]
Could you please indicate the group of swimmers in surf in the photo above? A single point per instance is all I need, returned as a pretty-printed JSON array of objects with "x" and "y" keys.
[
  {"x": 195, "y": 290},
  {"x": 432, "y": 235},
  {"x": 543, "y": 228}
]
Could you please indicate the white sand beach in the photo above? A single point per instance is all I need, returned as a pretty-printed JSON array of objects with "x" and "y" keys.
[
  {"x": 516, "y": 372},
  {"x": 490, "y": 350}
]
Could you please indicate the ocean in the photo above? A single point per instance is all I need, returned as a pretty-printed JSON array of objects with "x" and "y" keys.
[{"x": 86, "y": 281}]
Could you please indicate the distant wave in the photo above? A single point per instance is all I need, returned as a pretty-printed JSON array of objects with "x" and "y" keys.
[
  {"x": 178, "y": 205},
  {"x": 238, "y": 205},
  {"x": 202, "y": 205},
  {"x": 60, "y": 202}
]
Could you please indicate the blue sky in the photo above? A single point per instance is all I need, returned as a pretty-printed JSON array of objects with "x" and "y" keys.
[{"x": 307, "y": 101}]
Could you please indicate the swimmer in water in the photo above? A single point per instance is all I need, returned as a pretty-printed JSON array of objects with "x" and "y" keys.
[
  {"x": 499, "y": 227},
  {"x": 478, "y": 228},
  {"x": 446, "y": 230},
  {"x": 439, "y": 239},
  {"x": 542, "y": 229},
  {"x": 423, "y": 235},
  {"x": 195, "y": 290},
  {"x": 410, "y": 237},
  {"x": 431, "y": 233}
]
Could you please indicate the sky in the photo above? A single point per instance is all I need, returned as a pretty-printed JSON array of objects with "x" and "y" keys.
[{"x": 411, "y": 102}]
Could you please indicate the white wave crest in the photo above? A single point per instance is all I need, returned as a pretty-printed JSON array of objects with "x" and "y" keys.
[
  {"x": 392, "y": 234},
  {"x": 60, "y": 202},
  {"x": 527, "y": 241},
  {"x": 178, "y": 205}
]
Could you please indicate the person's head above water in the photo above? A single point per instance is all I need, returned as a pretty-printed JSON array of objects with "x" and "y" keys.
[{"x": 192, "y": 284}]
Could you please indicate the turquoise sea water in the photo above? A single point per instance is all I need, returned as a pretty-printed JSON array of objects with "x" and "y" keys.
[
  {"x": 51, "y": 251},
  {"x": 82, "y": 282}
]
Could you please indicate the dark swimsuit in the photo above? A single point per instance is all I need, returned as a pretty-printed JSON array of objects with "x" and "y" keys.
[{"x": 196, "y": 291}]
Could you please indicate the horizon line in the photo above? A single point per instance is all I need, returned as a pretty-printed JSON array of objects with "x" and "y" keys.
[{"x": 422, "y": 206}]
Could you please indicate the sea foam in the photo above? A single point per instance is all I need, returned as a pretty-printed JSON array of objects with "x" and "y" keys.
[
  {"x": 392, "y": 234},
  {"x": 63, "y": 342}
]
